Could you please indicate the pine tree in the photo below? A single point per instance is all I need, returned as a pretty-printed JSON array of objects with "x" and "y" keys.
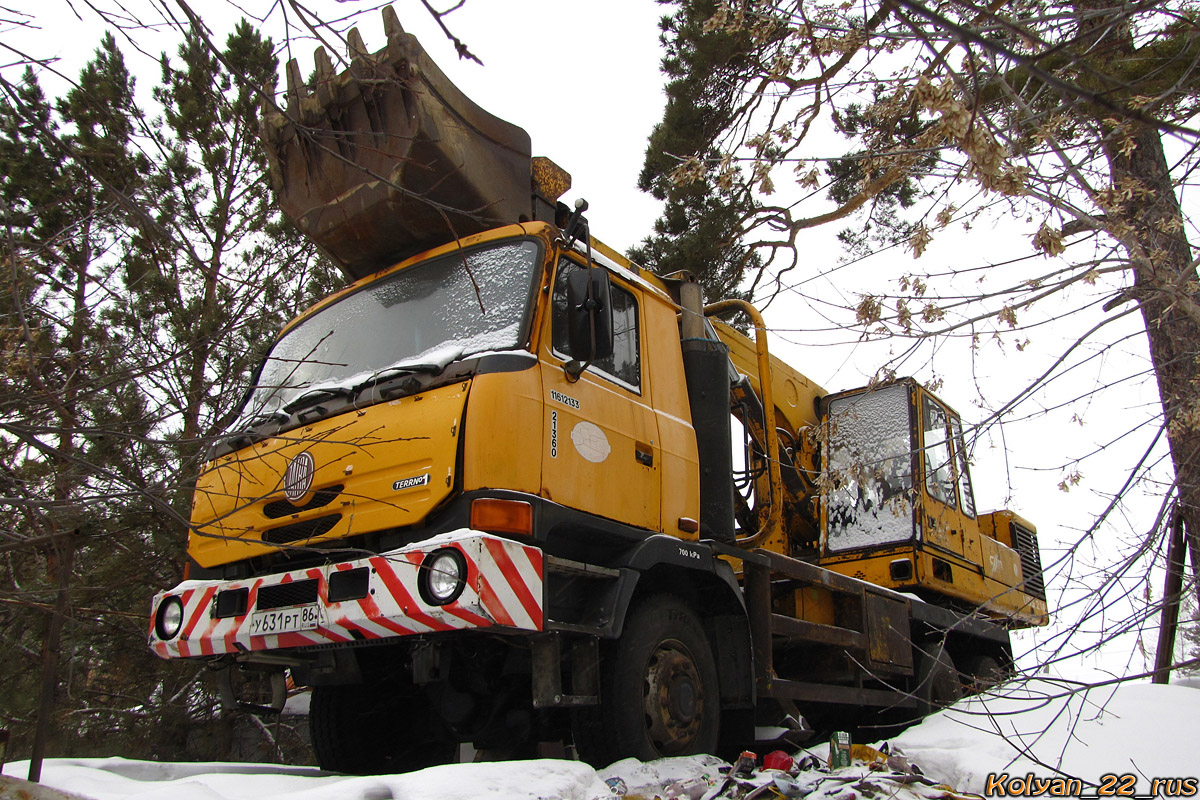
[
  {"x": 699, "y": 230},
  {"x": 145, "y": 273},
  {"x": 1051, "y": 118},
  {"x": 64, "y": 168}
]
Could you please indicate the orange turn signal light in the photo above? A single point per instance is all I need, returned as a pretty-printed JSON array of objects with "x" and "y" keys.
[{"x": 502, "y": 516}]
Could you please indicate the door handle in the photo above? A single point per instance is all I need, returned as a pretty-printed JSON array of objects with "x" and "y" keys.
[{"x": 643, "y": 454}]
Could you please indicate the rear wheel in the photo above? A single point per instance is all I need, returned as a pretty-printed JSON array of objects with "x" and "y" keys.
[
  {"x": 938, "y": 682},
  {"x": 981, "y": 672},
  {"x": 658, "y": 695},
  {"x": 375, "y": 727}
]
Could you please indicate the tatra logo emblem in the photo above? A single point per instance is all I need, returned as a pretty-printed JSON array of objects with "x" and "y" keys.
[{"x": 299, "y": 477}]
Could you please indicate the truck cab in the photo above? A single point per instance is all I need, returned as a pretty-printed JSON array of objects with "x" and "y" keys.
[
  {"x": 900, "y": 511},
  {"x": 436, "y": 395}
]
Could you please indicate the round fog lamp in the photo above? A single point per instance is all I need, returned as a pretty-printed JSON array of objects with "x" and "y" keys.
[
  {"x": 169, "y": 619},
  {"x": 443, "y": 577}
]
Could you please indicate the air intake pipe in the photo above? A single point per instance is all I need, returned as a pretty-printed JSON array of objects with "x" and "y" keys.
[{"x": 706, "y": 370}]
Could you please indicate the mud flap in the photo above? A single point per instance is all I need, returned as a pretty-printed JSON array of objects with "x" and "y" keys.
[{"x": 583, "y": 666}]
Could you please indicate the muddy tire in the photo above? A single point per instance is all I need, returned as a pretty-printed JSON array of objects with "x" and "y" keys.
[
  {"x": 938, "y": 681},
  {"x": 659, "y": 695},
  {"x": 981, "y": 672}
]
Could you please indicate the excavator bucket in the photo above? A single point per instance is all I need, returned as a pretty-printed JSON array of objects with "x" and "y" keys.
[{"x": 388, "y": 158}]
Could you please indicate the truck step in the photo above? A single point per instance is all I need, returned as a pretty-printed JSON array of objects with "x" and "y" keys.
[
  {"x": 578, "y": 569},
  {"x": 817, "y": 633}
]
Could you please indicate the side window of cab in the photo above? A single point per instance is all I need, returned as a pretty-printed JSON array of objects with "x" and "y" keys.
[
  {"x": 940, "y": 472},
  {"x": 624, "y": 366}
]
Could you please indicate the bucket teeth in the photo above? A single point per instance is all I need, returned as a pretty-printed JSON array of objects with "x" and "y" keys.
[
  {"x": 391, "y": 22},
  {"x": 357, "y": 48},
  {"x": 295, "y": 85},
  {"x": 323, "y": 64},
  {"x": 381, "y": 156},
  {"x": 324, "y": 79}
]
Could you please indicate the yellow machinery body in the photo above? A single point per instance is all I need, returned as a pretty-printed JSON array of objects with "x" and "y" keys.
[
  {"x": 546, "y": 479},
  {"x": 613, "y": 447}
]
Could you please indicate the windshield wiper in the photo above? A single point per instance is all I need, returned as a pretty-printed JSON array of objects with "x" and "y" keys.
[
  {"x": 314, "y": 396},
  {"x": 398, "y": 371},
  {"x": 443, "y": 358},
  {"x": 277, "y": 416},
  {"x": 245, "y": 434}
]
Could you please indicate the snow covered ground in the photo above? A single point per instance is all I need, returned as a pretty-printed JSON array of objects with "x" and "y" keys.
[
  {"x": 1146, "y": 730},
  {"x": 1042, "y": 727}
]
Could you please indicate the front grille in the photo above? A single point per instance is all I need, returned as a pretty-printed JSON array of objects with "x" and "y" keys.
[
  {"x": 350, "y": 584},
  {"x": 1025, "y": 543},
  {"x": 232, "y": 603},
  {"x": 308, "y": 529},
  {"x": 296, "y": 593},
  {"x": 282, "y": 508}
]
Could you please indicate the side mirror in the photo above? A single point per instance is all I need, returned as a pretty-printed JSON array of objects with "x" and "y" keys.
[{"x": 589, "y": 314}]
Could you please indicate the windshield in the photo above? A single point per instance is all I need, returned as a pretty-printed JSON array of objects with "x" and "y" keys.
[
  {"x": 419, "y": 319},
  {"x": 869, "y": 461}
]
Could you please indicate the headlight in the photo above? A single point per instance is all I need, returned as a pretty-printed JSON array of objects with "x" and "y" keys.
[
  {"x": 443, "y": 577},
  {"x": 169, "y": 618}
]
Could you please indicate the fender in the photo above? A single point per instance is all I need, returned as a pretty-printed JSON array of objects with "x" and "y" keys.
[
  {"x": 692, "y": 570},
  {"x": 685, "y": 557},
  {"x": 658, "y": 563}
]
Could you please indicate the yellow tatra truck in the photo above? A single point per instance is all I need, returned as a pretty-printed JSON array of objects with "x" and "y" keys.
[{"x": 508, "y": 487}]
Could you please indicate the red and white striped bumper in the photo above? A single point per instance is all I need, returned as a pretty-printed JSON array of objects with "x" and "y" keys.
[{"x": 378, "y": 597}]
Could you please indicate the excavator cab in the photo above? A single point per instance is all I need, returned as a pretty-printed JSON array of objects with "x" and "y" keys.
[{"x": 898, "y": 508}]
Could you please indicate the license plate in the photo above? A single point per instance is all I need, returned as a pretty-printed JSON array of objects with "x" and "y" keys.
[{"x": 284, "y": 620}]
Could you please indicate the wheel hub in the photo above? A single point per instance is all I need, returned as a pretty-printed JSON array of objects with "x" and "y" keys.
[{"x": 673, "y": 699}]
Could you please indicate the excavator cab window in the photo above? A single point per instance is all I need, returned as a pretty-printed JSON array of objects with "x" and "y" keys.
[
  {"x": 940, "y": 475},
  {"x": 947, "y": 479},
  {"x": 623, "y": 365},
  {"x": 964, "y": 476},
  {"x": 869, "y": 463}
]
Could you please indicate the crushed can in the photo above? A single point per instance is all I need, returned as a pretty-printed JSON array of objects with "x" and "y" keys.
[
  {"x": 746, "y": 764},
  {"x": 839, "y": 749}
]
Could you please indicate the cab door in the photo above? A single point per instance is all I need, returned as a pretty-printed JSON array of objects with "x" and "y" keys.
[
  {"x": 600, "y": 451},
  {"x": 949, "y": 506}
]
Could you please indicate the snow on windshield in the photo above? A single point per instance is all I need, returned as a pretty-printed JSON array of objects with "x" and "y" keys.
[
  {"x": 870, "y": 464},
  {"x": 427, "y": 315}
]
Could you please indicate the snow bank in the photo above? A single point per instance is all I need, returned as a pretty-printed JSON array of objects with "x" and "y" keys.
[
  {"x": 1049, "y": 729},
  {"x": 118, "y": 779},
  {"x": 1042, "y": 727}
]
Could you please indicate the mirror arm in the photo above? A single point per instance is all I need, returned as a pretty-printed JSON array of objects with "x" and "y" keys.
[
  {"x": 574, "y": 368},
  {"x": 576, "y": 226}
]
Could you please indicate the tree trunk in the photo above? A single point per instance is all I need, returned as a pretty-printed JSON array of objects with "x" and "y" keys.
[
  {"x": 62, "y": 561},
  {"x": 1149, "y": 224},
  {"x": 1165, "y": 286}
]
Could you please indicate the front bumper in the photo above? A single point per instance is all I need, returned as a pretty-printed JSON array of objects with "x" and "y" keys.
[{"x": 375, "y": 597}]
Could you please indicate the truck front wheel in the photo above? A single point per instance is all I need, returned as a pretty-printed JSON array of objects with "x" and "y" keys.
[{"x": 658, "y": 694}]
